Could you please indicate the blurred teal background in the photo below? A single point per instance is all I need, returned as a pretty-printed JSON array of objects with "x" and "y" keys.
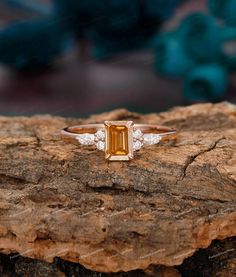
[{"x": 75, "y": 58}]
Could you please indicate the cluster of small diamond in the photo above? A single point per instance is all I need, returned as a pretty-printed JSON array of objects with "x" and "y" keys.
[
  {"x": 100, "y": 140},
  {"x": 138, "y": 140},
  {"x": 97, "y": 139},
  {"x": 141, "y": 139}
]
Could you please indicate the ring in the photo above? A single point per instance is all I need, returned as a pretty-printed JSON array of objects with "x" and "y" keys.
[{"x": 119, "y": 139}]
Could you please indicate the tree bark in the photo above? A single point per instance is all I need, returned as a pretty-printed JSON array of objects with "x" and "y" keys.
[{"x": 60, "y": 199}]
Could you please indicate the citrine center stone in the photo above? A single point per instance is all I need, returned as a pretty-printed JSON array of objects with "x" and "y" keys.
[{"x": 119, "y": 140}]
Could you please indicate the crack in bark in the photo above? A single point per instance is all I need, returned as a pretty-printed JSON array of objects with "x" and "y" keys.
[{"x": 192, "y": 159}]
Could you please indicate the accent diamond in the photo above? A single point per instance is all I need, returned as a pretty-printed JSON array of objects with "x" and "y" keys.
[
  {"x": 138, "y": 134},
  {"x": 100, "y": 135},
  {"x": 86, "y": 139},
  {"x": 101, "y": 145},
  {"x": 137, "y": 145},
  {"x": 151, "y": 139}
]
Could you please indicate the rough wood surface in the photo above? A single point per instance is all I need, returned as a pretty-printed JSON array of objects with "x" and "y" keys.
[{"x": 58, "y": 199}]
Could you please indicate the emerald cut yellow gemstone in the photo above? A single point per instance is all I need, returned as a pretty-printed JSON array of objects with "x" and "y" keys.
[{"x": 119, "y": 140}]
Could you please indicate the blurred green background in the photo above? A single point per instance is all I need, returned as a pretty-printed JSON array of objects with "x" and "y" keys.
[{"x": 74, "y": 58}]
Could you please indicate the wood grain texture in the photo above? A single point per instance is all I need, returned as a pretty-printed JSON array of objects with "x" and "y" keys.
[{"x": 58, "y": 199}]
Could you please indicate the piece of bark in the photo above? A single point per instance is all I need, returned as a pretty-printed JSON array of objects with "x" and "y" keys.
[{"x": 59, "y": 199}]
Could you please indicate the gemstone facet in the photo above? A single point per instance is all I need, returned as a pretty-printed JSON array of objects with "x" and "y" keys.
[{"x": 119, "y": 140}]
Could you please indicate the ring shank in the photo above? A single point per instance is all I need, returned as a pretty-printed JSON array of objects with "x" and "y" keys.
[{"x": 165, "y": 132}]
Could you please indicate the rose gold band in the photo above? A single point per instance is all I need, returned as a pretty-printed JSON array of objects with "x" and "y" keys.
[{"x": 165, "y": 132}]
